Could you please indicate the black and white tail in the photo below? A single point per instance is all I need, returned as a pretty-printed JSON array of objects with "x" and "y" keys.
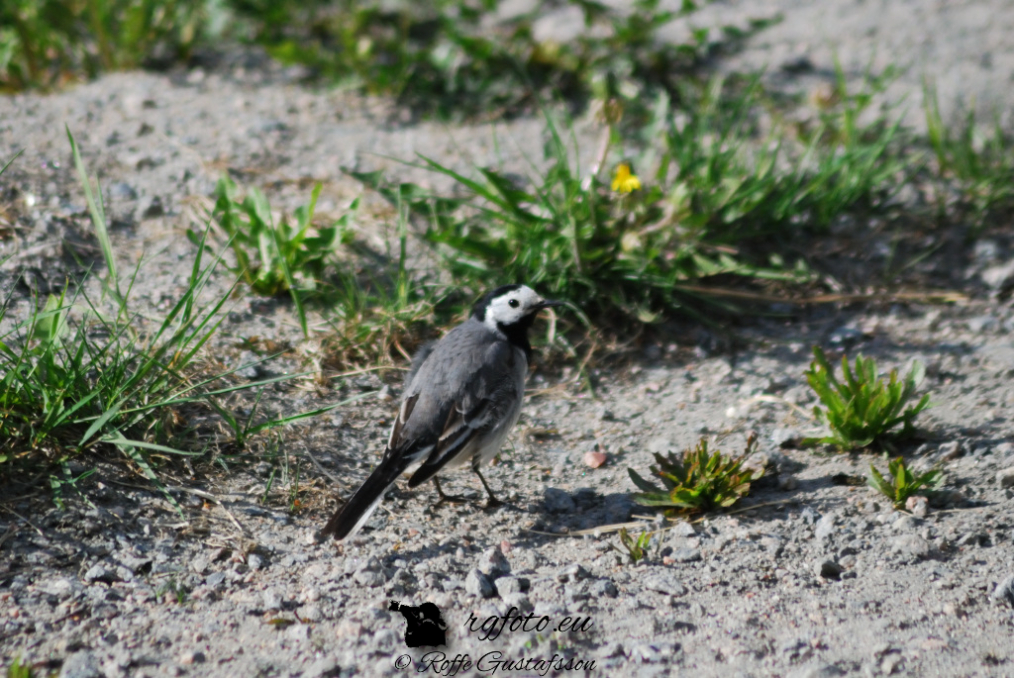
[{"x": 357, "y": 510}]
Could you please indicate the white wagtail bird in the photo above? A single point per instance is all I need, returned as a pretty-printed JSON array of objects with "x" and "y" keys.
[{"x": 461, "y": 399}]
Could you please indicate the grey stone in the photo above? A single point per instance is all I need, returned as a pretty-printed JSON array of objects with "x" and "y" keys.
[
  {"x": 325, "y": 667},
  {"x": 558, "y": 501},
  {"x": 82, "y": 664},
  {"x": 193, "y": 657},
  {"x": 906, "y": 524},
  {"x": 61, "y": 587},
  {"x": 1005, "y": 477},
  {"x": 573, "y": 572},
  {"x": 647, "y": 652},
  {"x": 478, "y": 584},
  {"x": 665, "y": 582},
  {"x": 254, "y": 561},
  {"x": 951, "y": 450},
  {"x": 825, "y": 528},
  {"x": 1004, "y": 591},
  {"x": 133, "y": 563},
  {"x": 215, "y": 579},
  {"x": 369, "y": 578},
  {"x": 911, "y": 545},
  {"x": 686, "y": 554},
  {"x": 493, "y": 563},
  {"x": 311, "y": 613},
  {"x": 603, "y": 587},
  {"x": 809, "y": 516},
  {"x": 999, "y": 277},
  {"x": 272, "y": 599},
  {"x": 509, "y": 585},
  {"x": 99, "y": 573},
  {"x": 518, "y": 600}
]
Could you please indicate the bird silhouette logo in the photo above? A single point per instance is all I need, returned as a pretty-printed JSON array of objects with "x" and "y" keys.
[{"x": 425, "y": 624}]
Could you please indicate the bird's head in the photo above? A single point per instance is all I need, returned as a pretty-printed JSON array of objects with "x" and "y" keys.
[{"x": 511, "y": 307}]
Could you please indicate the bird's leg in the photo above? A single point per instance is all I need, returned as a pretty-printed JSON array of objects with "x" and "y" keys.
[
  {"x": 447, "y": 498},
  {"x": 492, "y": 501}
]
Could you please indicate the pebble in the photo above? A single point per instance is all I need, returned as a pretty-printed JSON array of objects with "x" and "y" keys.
[
  {"x": 891, "y": 663},
  {"x": 825, "y": 528},
  {"x": 254, "y": 561},
  {"x": 574, "y": 572},
  {"x": 311, "y": 613},
  {"x": 215, "y": 579},
  {"x": 685, "y": 554},
  {"x": 518, "y": 600},
  {"x": 911, "y": 545},
  {"x": 272, "y": 599},
  {"x": 82, "y": 664},
  {"x": 1004, "y": 591},
  {"x": 1005, "y": 477},
  {"x": 509, "y": 585},
  {"x": 478, "y": 584},
  {"x": 919, "y": 506},
  {"x": 325, "y": 667},
  {"x": 603, "y": 587},
  {"x": 998, "y": 277},
  {"x": 62, "y": 588},
  {"x": 809, "y": 516},
  {"x": 99, "y": 573},
  {"x": 666, "y": 583},
  {"x": 951, "y": 450},
  {"x": 492, "y": 562},
  {"x": 192, "y": 657}
]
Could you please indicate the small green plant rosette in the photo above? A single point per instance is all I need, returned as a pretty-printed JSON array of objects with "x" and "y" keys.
[
  {"x": 694, "y": 481},
  {"x": 861, "y": 409},
  {"x": 903, "y": 483},
  {"x": 637, "y": 548}
]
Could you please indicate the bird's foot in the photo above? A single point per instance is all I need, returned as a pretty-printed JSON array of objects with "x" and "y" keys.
[
  {"x": 491, "y": 501},
  {"x": 447, "y": 498}
]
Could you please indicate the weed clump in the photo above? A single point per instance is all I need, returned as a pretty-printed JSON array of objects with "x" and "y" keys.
[
  {"x": 903, "y": 483},
  {"x": 861, "y": 409},
  {"x": 695, "y": 480}
]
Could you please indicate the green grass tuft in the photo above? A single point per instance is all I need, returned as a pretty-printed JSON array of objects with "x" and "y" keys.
[
  {"x": 289, "y": 257},
  {"x": 903, "y": 483},
  {"x": 635, "y": 547},
  {"x": 695, "y": 480},
  {"x": 980, "y": 163},
  {"x": 45, "y": 43},
  {"x": 78, "y": 376},
  {"x": 861, "y": 409},
  {"x": 714, "y": 205}
]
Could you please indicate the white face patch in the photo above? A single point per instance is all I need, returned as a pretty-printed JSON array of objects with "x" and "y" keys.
[{"x": 511, "y": 307}]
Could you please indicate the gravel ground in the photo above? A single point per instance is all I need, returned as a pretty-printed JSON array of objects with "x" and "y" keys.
[{"x": 812, "y": 578}]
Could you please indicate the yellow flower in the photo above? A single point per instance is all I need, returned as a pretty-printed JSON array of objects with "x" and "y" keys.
[{"x": 624, "y": 181}]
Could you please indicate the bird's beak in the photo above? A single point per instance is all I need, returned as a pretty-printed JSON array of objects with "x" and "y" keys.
[{"x": 546, "y": 303}]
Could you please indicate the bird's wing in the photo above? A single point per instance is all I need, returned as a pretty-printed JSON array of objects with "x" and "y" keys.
[
  {"x": 418, "y": 359},
  {"x": 478, "y": 407}
]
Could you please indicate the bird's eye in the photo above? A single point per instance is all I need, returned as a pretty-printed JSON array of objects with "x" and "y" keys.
[{"x": 513, "y": 303}]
